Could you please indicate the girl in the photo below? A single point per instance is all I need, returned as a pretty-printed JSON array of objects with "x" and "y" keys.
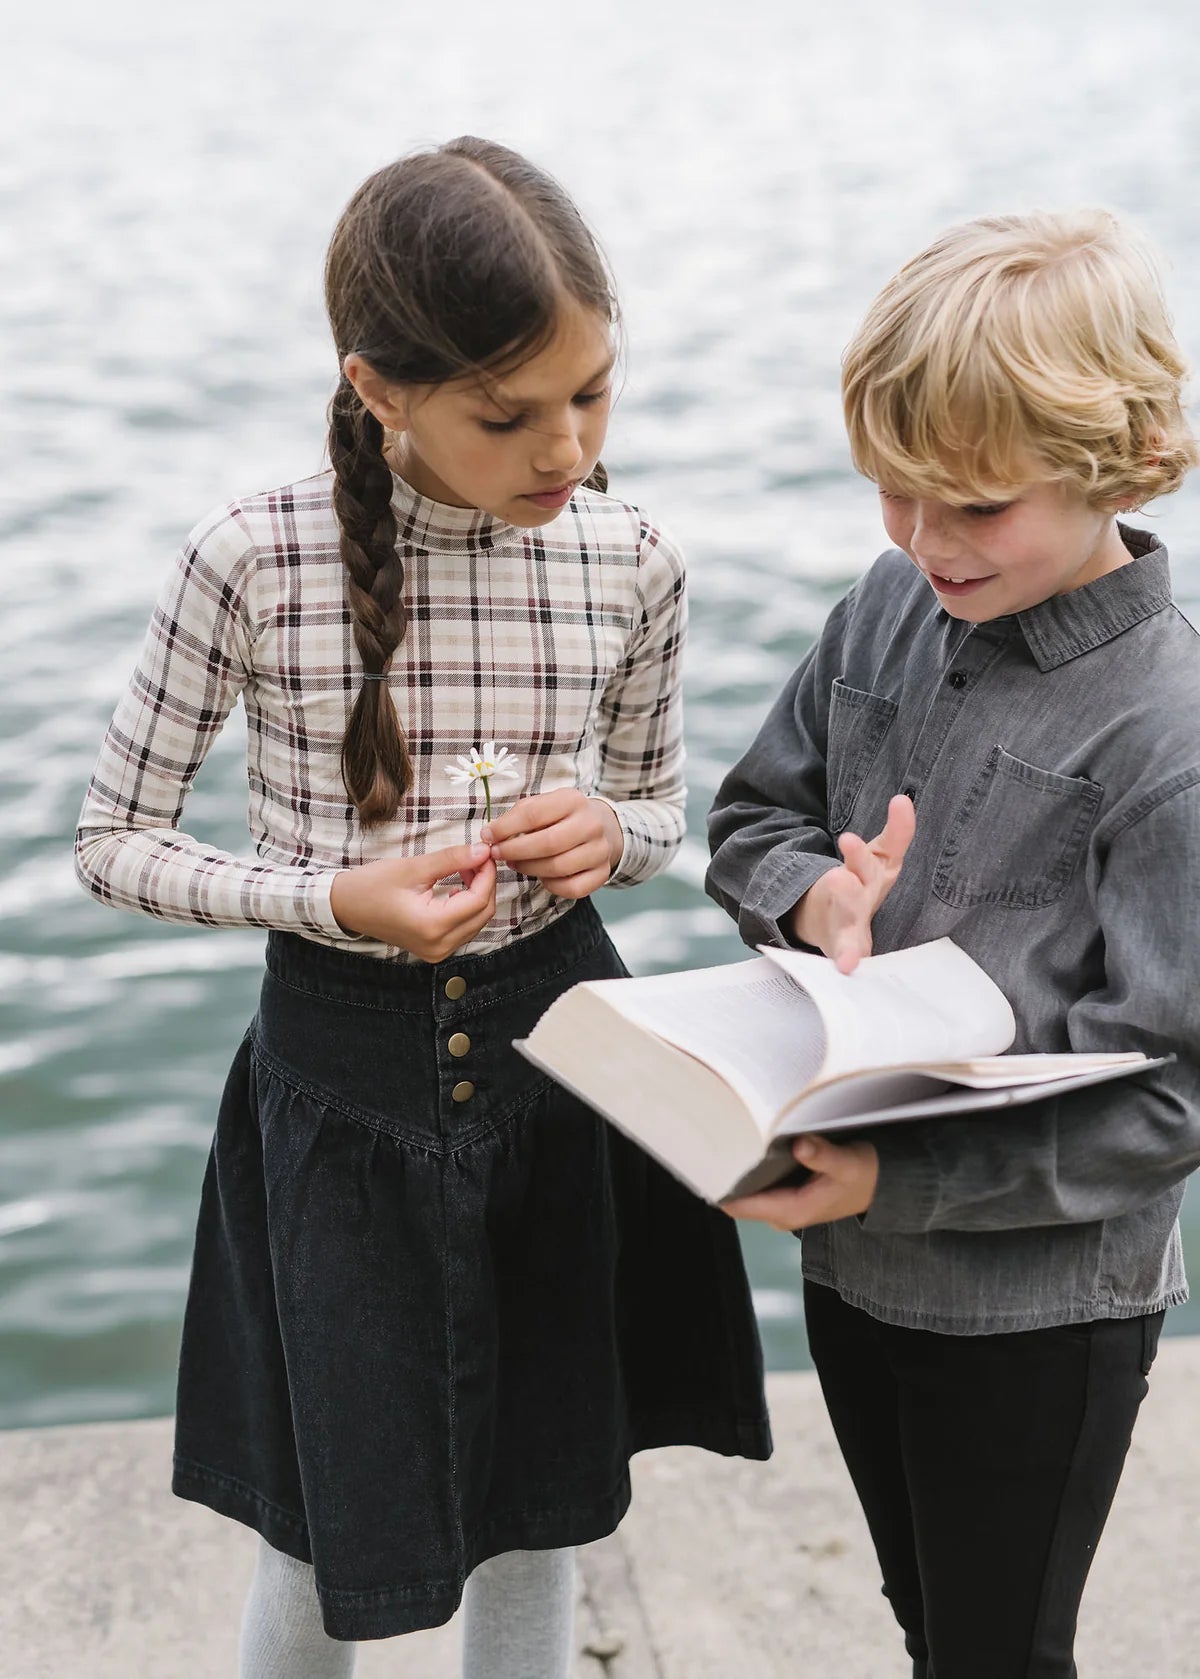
[
  {"x": 984, "y": 1296},
  {"x": 435, "y": 1304}
]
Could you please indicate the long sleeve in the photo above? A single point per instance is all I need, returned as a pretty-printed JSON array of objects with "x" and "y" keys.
[
  {"x": 1097, "y": 1153},
  {"x": 640, "y": 726},
  {"x": 196, "y": 660},
  {"x": 769, "y": 825}
]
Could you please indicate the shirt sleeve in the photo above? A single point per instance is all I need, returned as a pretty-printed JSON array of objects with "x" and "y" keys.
[
  {"x": 1101, "y": 1152},
  {"x": 196, "y": 659},
  {"x": 640, "y": 728},
  {"x": 768, "y": 829}
]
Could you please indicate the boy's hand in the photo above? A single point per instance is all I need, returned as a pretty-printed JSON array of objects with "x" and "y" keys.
[
  {"x": 393, "y": 900},
  {"x": 844, "y": 1177},
  {"x": 835, "y": 914},
  {"x": 569, "y": 842}
]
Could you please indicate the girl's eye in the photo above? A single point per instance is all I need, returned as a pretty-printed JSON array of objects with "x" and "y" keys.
[
  {"x": 585, "y": 398},
  {"x": 503, "y": 425},
  {"x": 987, "y": 510}
]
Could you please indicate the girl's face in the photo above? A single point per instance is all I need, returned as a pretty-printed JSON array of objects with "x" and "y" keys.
[
  {"x": 516, "y": 446},
  {"x": 992, "y": 558}
]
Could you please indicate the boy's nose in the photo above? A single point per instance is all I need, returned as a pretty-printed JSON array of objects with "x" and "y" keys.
[{"x": 930, "y": 537}]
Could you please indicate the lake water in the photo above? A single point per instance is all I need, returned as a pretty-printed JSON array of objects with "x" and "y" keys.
[{"x": 168, "y": 178}]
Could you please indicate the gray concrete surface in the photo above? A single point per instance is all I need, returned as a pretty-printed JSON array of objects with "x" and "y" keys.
[{"x": 742, "y": 1571}]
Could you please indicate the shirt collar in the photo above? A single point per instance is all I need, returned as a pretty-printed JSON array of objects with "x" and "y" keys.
[
  {"x": 435, "y": 527},
  {"x": 1063, "y": 627}
]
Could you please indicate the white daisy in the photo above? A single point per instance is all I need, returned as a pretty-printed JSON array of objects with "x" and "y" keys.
[{"x": 483, "y": 763}]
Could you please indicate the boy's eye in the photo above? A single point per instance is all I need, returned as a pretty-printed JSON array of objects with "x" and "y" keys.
[{"x": 987, "y": 509}]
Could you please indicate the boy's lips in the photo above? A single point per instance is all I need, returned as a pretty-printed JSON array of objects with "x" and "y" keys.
[{"x": 956, "y": 585}]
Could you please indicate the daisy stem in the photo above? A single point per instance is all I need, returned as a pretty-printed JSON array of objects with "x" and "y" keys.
[{"x": 487, "y": 797}]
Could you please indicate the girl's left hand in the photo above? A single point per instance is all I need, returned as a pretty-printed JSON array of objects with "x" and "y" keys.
[
  {"x": 844, "y": 1176},
  {"x": 569, "y": 842}
]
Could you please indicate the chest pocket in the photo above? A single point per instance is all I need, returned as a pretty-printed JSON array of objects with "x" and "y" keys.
[
  {"x": 857, "y": 724},
  {"x": 1019, "y": 836}
]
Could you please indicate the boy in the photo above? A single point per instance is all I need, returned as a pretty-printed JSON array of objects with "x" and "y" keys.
[{"x": 1008, "y": 700}]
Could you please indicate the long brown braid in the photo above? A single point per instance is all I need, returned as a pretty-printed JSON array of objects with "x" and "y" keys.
[{"x": 447, "y": 263}]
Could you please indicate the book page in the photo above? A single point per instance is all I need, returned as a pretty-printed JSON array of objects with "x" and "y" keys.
[
  {"x": 1004, "y": 1071},
  {"x": 746, "y": 1021},
  {"x": 930, "y": 1003}
]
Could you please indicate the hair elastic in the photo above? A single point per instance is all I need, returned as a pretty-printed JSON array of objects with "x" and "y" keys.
[{"x": 374, "y": 676}]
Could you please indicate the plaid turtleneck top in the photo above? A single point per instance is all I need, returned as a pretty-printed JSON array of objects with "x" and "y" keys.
[{"x": 561, "y": 643}]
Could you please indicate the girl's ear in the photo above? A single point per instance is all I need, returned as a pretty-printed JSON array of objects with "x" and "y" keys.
[{"x": 385, "y": 401}]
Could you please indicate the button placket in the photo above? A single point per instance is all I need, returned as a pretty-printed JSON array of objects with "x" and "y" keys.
[
  {"x": 459, "y": 1043},
  {"x": 972, "y": 657}
]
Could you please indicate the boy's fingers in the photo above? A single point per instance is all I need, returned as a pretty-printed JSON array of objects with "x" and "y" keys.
[
  {"x": 899, "y": 829},
  {"x": 858, "y": 857}
]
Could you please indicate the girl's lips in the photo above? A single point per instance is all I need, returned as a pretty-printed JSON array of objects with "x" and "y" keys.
[
  {"x": 552, "y": 498},
  {"x": 947, "y": 585}
]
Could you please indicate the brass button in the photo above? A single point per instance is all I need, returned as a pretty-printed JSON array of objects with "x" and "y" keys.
[
  {"x": 456, "y": 988},
  {"x": 459, "y": 1043},
  {"x": 463, "y": 1091}
]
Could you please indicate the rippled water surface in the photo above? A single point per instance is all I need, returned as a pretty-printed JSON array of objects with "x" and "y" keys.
[{"x": 168, "y": 178}]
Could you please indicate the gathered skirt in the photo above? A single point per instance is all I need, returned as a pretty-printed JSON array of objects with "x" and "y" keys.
[{"x": 436, "y": 1302}]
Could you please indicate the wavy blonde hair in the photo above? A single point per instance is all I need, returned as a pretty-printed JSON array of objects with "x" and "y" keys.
[{"x": 1021, "y": 348}]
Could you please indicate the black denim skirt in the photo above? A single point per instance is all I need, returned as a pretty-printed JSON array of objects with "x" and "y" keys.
[{"x": 436, "y": 1303}]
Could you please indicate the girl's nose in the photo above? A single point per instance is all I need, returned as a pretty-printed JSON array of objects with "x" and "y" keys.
[{"x": 558, "y": 451}]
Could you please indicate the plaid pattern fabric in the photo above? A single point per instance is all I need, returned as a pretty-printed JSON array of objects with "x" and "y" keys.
[{"x": 562, "y": 644}]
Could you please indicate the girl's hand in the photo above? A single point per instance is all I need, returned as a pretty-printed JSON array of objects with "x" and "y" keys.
[
  {"x": 569, "y": 842},
  {"x": 844, "y": 1176},
  {"x": 393, "y": 900},
  {"x": 835, "y": 914}
]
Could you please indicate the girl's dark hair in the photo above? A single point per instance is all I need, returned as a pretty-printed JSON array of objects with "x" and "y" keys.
[{"x": 448, "y": 262}]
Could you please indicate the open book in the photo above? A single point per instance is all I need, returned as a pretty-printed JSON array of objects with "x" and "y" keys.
[{"x": 713, "y": 1071}]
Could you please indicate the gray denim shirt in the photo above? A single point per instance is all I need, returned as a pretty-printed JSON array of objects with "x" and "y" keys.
[{"x": 1054, "y": 759}]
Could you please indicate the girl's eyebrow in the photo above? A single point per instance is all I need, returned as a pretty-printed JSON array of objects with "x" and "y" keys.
[{"x": 511, "y": 400}]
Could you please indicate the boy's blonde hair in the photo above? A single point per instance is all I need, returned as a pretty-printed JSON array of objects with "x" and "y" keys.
[{"x": 1017, "y": 348}]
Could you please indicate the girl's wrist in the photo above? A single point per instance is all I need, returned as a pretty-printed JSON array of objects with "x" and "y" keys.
[
  {"x": 341, "y": 898},
  {"x": 613, "y": 832}
]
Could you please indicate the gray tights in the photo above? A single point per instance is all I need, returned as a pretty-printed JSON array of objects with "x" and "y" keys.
[{"x": 518, "y": 1612}]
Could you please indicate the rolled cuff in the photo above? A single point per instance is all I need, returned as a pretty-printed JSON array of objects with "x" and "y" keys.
[{"x": 775, "y": 888}]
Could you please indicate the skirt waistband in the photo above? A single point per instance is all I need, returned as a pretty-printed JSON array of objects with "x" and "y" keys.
[{"x": 374, "y": 982}]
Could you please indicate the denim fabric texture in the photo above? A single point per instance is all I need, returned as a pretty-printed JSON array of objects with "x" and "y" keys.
[
  {"x": 1054, "y": 760},
  {"x": 424, "y": 1330}
]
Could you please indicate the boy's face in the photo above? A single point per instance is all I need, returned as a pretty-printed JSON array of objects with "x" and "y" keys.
[{"x": 992, "y": 558}]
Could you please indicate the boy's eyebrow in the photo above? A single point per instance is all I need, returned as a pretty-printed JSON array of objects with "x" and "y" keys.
[{"x": 496, "y": 394}]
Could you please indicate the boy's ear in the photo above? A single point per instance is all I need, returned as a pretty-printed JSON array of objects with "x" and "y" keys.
[{"x": 385, "y": 401}]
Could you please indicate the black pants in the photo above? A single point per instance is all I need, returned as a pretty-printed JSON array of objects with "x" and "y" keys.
[{"x": 986, "y": 1466}]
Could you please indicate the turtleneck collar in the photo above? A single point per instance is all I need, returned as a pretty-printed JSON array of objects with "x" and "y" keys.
[{"x": 435, "y": 527}]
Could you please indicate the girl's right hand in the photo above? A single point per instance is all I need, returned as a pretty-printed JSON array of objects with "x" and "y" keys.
[
  {"x": 393, "y": 900},
  {"x": 836, "y": 912}
]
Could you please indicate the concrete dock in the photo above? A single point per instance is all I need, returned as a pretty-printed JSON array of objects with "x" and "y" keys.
[{"x": 722, "y": 1570}]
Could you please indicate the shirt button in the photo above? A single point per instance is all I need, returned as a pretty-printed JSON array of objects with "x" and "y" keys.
[
  {"x": 463, "y": 1091},
  {"x": 957, "y": 679},
  {"x": 459, "y": 1043},
  {"x": 909, "y": 793},
  {"x": 456, "y": 988}
]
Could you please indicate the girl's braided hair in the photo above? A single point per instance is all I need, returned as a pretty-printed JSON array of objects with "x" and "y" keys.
[{"x": 446, "y": 263}]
